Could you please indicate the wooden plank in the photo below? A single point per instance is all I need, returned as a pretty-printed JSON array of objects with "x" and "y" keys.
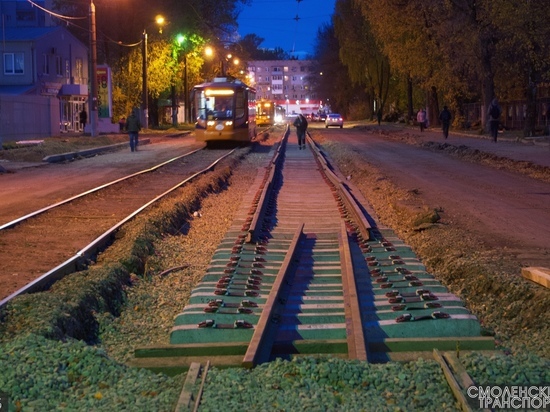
[
  {"x": 459, "y": 371},
  {"x": 455, "y": 387},
  {"x": 539, "y": 275},
  {"x": 201, "y": 389},
  {"x": 186, "y": 395}
]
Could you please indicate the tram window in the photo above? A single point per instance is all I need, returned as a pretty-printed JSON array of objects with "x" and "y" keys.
[{"x": 240, "y": 104}]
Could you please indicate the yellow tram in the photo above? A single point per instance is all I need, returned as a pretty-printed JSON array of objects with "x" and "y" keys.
[
  {"x": 265, "y": 113},
  {"x": 225, "y": 110}
]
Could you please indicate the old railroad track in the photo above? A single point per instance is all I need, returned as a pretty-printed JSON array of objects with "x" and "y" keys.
[
  {"x": 59, "y": 228},
  {"x": 306, "y": 269}
]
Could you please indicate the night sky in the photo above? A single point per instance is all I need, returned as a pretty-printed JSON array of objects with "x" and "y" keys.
[{"x": 274, "y": 21}]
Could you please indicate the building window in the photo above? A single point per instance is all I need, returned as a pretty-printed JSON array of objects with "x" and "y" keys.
[
  {"x": 78, "y": 69},
  {"x": 58, "y": 66},
  {"x": 45, "y": 64},
  {"x": 67, "y": 70},
  {"x": 266, "y": 78},
  {"x": 14, "y": 63}
]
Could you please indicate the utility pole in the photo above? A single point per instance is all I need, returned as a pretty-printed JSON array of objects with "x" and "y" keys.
[
  {"x": 145, "y": 103},
  {"x": 93, "y": 81}
]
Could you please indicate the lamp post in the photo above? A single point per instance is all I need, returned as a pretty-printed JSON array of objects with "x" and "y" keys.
[
  {"x": 187, "y": 112},
  {"x": 186, "y": 91},
  {"x": 144, "y": 102},
  {"x": 93, "y": 64},
  {"x": 144, "y": 98}
]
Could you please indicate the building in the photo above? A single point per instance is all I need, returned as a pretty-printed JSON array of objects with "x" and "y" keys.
[
  {"x": 285, "y": 83},
  {"x": 44, "y": 74}
]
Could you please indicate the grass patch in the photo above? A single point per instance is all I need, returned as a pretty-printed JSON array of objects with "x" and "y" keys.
[{"x": 54, "y": 145}]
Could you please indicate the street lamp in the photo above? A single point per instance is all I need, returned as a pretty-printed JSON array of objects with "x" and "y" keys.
[
  {"x": 93, "y": 81},
  {"x": 144, "y": 98}
]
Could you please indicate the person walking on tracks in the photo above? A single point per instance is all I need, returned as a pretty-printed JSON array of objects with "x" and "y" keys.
[
  {"x": 301, "y": 128},
  {"x": 133, "y": 127},
  {"x": 494, "y": 111},
  {"x": 445, "y": 117}
]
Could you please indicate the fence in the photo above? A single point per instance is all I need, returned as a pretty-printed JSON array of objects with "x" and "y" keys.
[
  {"x": 28, "y": 117},
  {"x": 513, "y": 114}
]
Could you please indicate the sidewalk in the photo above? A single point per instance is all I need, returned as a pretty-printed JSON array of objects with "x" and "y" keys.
[{"x": 509, "y": 144}]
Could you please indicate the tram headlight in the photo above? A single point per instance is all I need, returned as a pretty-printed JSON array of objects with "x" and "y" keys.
[
  {"x": 229, "y": 123},
  {"x": 211, "y": 123}
]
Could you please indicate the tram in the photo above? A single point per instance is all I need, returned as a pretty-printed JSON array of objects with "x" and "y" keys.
[
  {"x": 265, "y": 113},
  {"x": 225, "y": 111}
]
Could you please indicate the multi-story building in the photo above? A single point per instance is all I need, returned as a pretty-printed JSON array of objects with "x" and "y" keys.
[
  {"x": 44, "y": 74},
  {"x": 285, "y": 83}
]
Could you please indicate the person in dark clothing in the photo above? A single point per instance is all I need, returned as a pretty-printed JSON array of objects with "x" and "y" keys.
[
  {"x": 83, "y": 117},
  {"x": 494, "y": 111},
  {"x": 133, "y": 127},
  {"x": 301, "y": 128},
  {"x": 121, "y": 124},
  {"x": 445, "y": 117}
]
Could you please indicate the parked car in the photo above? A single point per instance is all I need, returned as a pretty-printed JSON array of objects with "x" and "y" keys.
[
  {"x": 334, "y": 119},
  {"x": 322, "y": 117}
]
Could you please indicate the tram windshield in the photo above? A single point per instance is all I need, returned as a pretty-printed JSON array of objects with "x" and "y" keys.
[{"x": 212, "y": 104}]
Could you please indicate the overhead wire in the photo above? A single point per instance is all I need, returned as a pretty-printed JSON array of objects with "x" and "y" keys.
[{"x": 68, "y": 21}]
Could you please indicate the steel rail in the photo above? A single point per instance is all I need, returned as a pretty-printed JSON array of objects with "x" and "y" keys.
[
  {"x": 259, "y": 346},
  {"x": 260, "y": 212},
  {"x": 351, "y": 204},
  {"x": 357, "y": 348},
  {"x": 73, "y": 264},
  {"x": 15, "y": 222}
]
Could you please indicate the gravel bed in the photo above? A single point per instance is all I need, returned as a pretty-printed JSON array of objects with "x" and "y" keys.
[{"x": 46, "y": 371}]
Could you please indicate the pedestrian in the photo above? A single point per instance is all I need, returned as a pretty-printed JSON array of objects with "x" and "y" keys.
[
  {"x": 421, "y": 119},
  {"x": 301, "y": 128},
  {"x": 121, "y": 124},
  {"x": 83, "y": 117},
  {"x": 494, "y": 111},
  {"x": 133, "y": 127},
  {"x": 445, "y": 117}
]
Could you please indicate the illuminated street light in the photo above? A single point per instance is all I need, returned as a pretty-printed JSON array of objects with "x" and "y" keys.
[
  {"x": 209, "y": 52},
  {"x": 144, "y": 99}
]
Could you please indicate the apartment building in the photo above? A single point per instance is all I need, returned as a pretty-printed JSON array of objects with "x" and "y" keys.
[{"x": 284, "y": 82}]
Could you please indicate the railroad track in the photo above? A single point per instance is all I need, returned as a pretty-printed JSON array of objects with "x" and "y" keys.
[
  {"x": 306, "y": 269},
  {"x": 59, "y": 227}
]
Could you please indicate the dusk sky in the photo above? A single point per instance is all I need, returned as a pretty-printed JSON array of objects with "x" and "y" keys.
[{"x": 274, "y": 21}]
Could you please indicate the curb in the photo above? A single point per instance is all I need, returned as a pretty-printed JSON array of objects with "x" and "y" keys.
[{"x": 89, "y": 152}]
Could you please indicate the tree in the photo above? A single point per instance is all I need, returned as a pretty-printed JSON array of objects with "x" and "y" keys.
[
  {"x": 524, "y": 54},
  {"x": 367, "y": 66},
  {"x": 252, "y": 44},
  {"x": 330, "y": 81},
  {"x": 128, "y": 76}
]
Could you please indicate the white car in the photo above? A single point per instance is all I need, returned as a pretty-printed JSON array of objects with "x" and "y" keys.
[{"x": 334, "y": 119}]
